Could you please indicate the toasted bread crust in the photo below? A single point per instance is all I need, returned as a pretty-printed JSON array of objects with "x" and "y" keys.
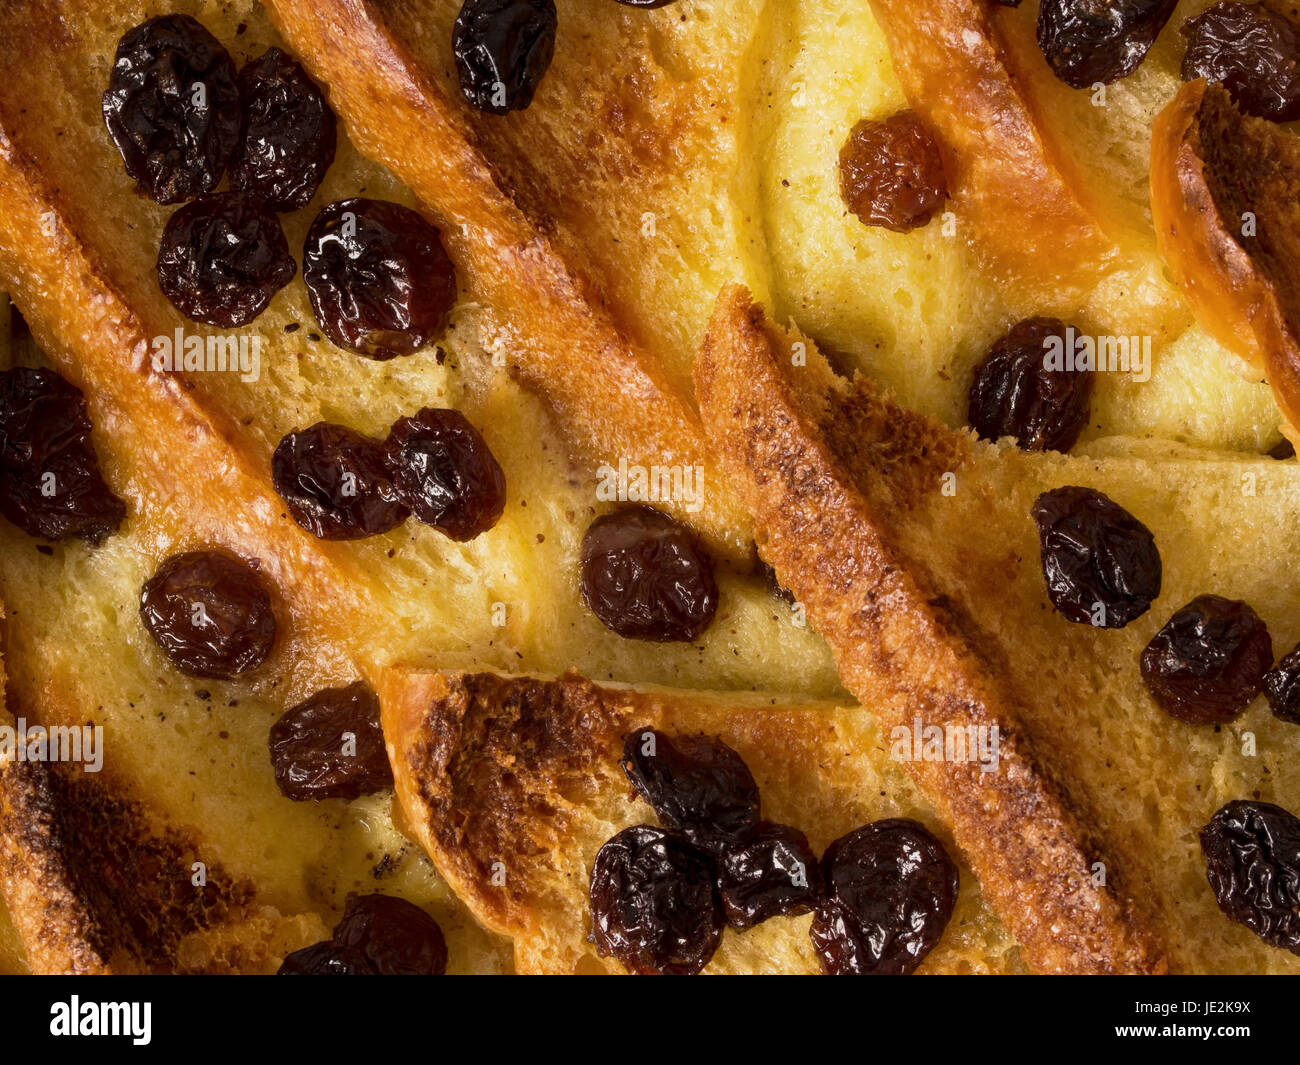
[
  {"x": 902, "y": 649},
  {"x": 1224, "y": 187},
  {"x": 1030, "y": 227},
  {"x": 551, "y": 316}
]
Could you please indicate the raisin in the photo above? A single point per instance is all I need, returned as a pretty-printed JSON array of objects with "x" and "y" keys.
[
  {"x": 443, "y": 469},
  {"x": 1252, "y": 860},
  {"x": 1282, "y": 686},
  {"x": 771, "y": 872},
  {"x": 395, "y": 936},
  {"x": 326, "y": 959},
  {"x": 1101, "y": 564},
  {"x": 646, "y": 576},
  {"x": 1253, "y": 52},
  {"x": 696, "y": 784},
  {"x": 1087, "y": 42},
  {"x": 210, "y": 613},
  {"x": 308, "y": 741},
  {"x": 1208, "y": 663},
  {"x": 172, "y": 107},
  {"x": 890, "y": 891},
  {"x": 379, "y": 935},
  {"x": 336, "y": 483},
  {"x": 223, "y": 257},
  {"x": 288, "y": 138},
  {"x": 1014, "y": 393},
  {"x": 654, "y": 906},
  {"x": 503, "y": 49},
  {"x": 50, "y": 481},
  {"x": 379, "y": 279},
  {"x": 891, "y": 173}
]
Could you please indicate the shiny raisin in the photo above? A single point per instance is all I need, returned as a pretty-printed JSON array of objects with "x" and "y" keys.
[
  {"x": 1253, "y": 51},
  {"x": 891, "y": 173},
  {"x": 771, "y": 872},
  {"x": 312, "y": 755},
  {"x": 696, "y": 784},
  {"x": 223, "y": 257},
  {"x": 379, "y": 279},
  {"x": 654, "y": 905},
  {"x": 503, "y": 49},
  {"x": 326, "y": 959},
  {"x": 1208, "y": 663},
  {"x": 1087, "y": 42},
  {"x": 890, "y": 892},
  {"x": 288, "y": 138},
  {"x": 443, "y": 469},
  {"x": 50, "y": 481},
  {"x": 1015, "y": 393},
  {"x": 1282, "y": 687},
  {"x": 336, "y": 483},
  {"x": 1100, "y": 563},
  {"x": 1252, "y": 859},
  {"x": 210, "y": 613},
  {"x": 172, "y": 107},
  {"x": 379, "y": 935},
  {"x": 646, "y": 576}
]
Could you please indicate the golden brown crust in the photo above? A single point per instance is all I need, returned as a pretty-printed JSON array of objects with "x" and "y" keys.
[
  {"x": 824, "y": 474},
  {"x": 609, "y": 395},
  {"x": 1030, "y": 226},
  {"x": 1225, "y": 200}
]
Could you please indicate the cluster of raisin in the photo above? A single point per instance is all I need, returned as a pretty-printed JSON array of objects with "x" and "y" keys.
[
  {"x": 341, "y": 485},
  {"x": 380, "y": 282},
  {"x": 660, "y": 897}
]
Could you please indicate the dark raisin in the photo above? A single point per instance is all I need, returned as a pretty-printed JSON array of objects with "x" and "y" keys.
[
  {"x": 312, "y": 755},
  {"x": 326, "y": 959},
  {"x": 336, "y": 483},
  {"x": 50, "y": 482},
  {"x": 502, "y": 49},
  {"x": 891, "y": 173},
  {"x": 654, "y": 906},
  {"x": 1208, "y": 663},
  {"x": 1253, "y": 51},
  {"x": 210, "y": 613},
  {"x": 890, "y": 891},
  {"x": 395, "y": 936},
  {"x": 1015, "y": 392},
  {"x": 380, "y": 935},
  {"x": 646, "y": 576},
  {"x": 696, "y": 784},
  {"x": 379, "y": 279},
  {"x": 1282, "y": 450},
  {"x": 1101, "y": 564},
  {"x": 1282, "y": 687},
  {"x": 288, "y": 138},
  {"x": 223, "y": 257},
  {"x": 771, "y": 872},
  {"x": 1252, "y": 859},
  {"x": 443, "y": 469},
  {"x": 1087, "y": 42},
  {"x": 172, "y": 107}
]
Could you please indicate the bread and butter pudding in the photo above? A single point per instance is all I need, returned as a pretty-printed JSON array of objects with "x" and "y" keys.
[{"x": 576, "y": 486}]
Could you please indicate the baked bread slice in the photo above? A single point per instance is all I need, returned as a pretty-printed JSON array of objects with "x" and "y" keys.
[
  {"x": 913, "y": 549},
  {"x": 512, "y": 784}
]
